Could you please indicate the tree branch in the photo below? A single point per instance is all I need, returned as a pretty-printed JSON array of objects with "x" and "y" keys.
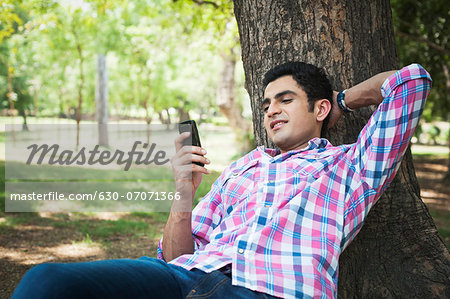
[
  {"x": 425, "y": 40},
  {"x": 200, "y": 2}
]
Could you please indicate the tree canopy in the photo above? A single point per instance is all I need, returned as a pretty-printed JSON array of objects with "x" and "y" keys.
[
  {"x": 163, "y": 54},
  {"x": 422, "y": 32},
  {"x": 160, "y": 54}
]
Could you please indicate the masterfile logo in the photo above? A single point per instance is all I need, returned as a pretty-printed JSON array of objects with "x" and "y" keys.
[{"x": 95, "y": 156}]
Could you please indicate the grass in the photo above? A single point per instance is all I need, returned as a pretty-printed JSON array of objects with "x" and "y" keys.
[
  {"x": 442, "y": 220},
  {"x": 430, "y": 150},
  {"x": 431, "y": 155},
  {"x": 96, "y": 228},
  {"x": 134, "y": 224},
  {"x": 86, "y": 240},
  {"x": 106, "y": 228}
]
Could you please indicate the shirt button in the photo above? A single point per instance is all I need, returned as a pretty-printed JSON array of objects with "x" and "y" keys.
[
  {"x": 241, "y": 250},
  {"x": 267, "y": 206},
  {"x": 235, "y": 174},
  {"x": 271, "y": 181}
]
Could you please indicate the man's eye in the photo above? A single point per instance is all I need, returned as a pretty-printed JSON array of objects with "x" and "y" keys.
[
  {"x": 286, "y": 100},
  {"x": 265, "y": 109}
]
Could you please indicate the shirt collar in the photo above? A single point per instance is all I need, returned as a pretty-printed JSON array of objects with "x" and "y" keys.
[{"x": 314, "y": 144}]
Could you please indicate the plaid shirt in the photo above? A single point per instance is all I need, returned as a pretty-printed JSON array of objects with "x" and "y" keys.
[{"x": 282, "y": 220}]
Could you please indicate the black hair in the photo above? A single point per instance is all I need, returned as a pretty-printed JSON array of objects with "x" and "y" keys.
[{"x": 310, "y": 78}]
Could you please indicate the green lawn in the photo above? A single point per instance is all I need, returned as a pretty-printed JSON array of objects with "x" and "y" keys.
[{"x": 132, "y": 223}]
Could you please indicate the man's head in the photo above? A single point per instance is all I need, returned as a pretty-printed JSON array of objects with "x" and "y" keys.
[{"x": 297, "y": 102}]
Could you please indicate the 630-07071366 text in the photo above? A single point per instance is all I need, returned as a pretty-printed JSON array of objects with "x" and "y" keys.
[{"x": 97, "y": 195}]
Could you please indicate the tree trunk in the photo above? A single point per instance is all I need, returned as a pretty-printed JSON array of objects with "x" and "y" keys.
[
  {"x": 12, "y": 96},
  {"x": 80, "y": 95},
  {"x": 148, "y": 116},
  {"x": 447, "y": 85},
  {"x": 161, "y": 117},
  {"x": 23, "y": 113},
  {"x": 228, "y": 106},
  {"x": 168, "y": 119},
  {"x": 165, "y": 120},
  {"x": 63, "y": 111},
  {"x": 36, "y": 90},
  {"x": 398, "y": 252},
  {"x": 183, "y": 114},
  {"x": 101, "y": 100},
  {"x": 80, "y": 84}
]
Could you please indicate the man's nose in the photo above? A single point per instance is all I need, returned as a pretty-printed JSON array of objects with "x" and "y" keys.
[{"x": 273, "y": 109}]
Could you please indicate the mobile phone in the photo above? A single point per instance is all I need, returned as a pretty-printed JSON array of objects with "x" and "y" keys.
[{"x": 194, "y": 139}]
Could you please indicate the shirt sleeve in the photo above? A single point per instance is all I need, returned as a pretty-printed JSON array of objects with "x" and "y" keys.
[
  {"x": 206, "y": 216},
  {"x": 377, "y": 154}
]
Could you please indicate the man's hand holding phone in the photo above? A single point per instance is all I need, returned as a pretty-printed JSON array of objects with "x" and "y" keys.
[
  {"x": 188, "y": 164},
  {"x": 188, "y": 169}
]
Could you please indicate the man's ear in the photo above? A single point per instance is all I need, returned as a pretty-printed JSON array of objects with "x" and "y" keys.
[{"x": 322, "y": 108}]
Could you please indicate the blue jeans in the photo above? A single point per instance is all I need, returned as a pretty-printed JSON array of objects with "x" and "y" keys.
[{"x": 126, "y": 278}]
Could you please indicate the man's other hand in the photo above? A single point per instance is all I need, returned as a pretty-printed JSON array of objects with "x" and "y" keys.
[{"x": 335, "y": 112}]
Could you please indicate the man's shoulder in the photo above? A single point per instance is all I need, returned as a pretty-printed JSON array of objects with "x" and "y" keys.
[
  {"x": 248, "y": 159},
  {"x": 254, "y": 155}
]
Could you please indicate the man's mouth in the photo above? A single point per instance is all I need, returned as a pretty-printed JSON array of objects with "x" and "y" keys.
[{"x": 277, "y": 124}]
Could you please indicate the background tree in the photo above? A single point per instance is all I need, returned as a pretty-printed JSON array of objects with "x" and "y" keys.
[
  {"x": 217, "y": 18},
  {"x": 14, "y": 88},
  {"x": 398, "y": 252},
  {"x": 157, "y": 52},
  {"x": 422, "y": 32}
]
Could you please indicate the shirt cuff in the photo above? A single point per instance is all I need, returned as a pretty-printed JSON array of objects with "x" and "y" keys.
[
  {"x": 408, "y": 73},
  {"x": 159, "y": 250}
]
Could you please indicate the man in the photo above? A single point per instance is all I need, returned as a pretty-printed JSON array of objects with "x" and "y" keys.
[{"x": 276, "y": 221}]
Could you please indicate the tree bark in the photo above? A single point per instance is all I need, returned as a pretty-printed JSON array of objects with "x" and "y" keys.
[
  {"x": 447, "y": 85},
  {"x": 80, "y": 87},
  {"x": 398, "y": 252},
  {"x": 101, "y": 100},
  {"x": 228, "y": 106},
  {"x": 183, "y": 114},
  {"x": 11, "y": 95},
  {"x": 148, "y": 116},
  {"x": 23, "y": 113},
  {"x": 36, "y": 90}
]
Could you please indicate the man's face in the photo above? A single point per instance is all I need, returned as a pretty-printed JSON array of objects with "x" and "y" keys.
[{"x": 287, "y": 119}]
